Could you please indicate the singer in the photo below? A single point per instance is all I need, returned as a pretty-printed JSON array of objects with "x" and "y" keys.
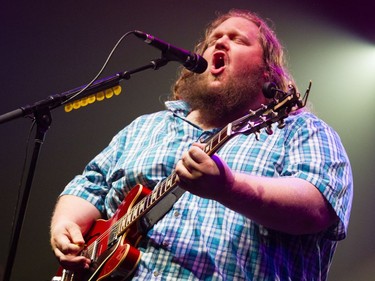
[{"x": 262, "y": 207}]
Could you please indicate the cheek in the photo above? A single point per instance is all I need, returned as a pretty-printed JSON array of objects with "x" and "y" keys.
[
  {"x": 251, "y": 61},
  {"x": 206, "y": 53}
]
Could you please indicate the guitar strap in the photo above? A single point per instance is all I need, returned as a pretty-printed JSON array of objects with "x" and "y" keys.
[{"x": 159, "y": 210}]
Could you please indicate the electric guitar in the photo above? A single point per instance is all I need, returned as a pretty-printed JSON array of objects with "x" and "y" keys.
[{"x": 111, "y": 244}]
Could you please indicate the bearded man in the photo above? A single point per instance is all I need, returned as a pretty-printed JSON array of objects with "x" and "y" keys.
[{"x": 266, "y": 208}]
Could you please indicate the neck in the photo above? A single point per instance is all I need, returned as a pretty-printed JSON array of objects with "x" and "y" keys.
[{"x": 199, "y": 119}]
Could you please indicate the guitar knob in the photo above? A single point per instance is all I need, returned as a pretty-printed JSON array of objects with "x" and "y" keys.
[
  {"x": 269, "y": 130},
  {"x": 281, "y": 124}
]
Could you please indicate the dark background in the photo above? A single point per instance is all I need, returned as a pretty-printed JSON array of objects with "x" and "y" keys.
[{"x": 49, "y": 47}]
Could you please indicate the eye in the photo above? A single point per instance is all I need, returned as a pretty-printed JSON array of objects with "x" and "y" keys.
[
  {"x": 212, "y": 41},
  {"x": 240, "y": 40}
]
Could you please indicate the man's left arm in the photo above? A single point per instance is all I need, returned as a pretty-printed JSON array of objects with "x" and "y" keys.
[{"x": 286, "y": 204}]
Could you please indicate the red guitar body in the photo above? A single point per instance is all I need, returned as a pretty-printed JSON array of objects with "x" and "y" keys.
[{"x": 110, "y": 260}]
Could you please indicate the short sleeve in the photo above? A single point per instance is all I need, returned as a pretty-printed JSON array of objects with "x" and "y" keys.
[{"x": 316, "y": 154}]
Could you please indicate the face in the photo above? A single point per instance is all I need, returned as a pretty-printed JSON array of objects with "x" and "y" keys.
[
  {"x": 233, "y": 80},
  {"x": 233, "y": 52}
]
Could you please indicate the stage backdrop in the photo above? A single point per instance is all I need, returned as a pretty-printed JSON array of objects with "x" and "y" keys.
[{"x": 49, "y": 47}]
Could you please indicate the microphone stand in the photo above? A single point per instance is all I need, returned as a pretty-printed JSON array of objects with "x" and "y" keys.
[{"x": 42, "y": 113}]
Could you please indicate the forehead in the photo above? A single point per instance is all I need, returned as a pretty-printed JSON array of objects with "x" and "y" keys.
[{"x": 237, "y": 25}]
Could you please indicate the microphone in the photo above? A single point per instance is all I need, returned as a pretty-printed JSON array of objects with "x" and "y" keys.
[
  {"x": 191, "y": 61},
  {"x": 269, "y": 89}
]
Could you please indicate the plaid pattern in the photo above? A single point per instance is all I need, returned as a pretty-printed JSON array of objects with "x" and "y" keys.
[{"x": 200, "y": 239}]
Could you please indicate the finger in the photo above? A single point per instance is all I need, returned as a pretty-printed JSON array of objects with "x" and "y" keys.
[
  {"x": 71, "y": 262},
  {"x": 76, "y": 263},
  {"x": 199, "y": 163},
  {"x": 197, "y": 154},
  {"x": 75, "y": 235},
  {"x": 182, "y": 170},
  {"x": 200, "y": 145},
  {"x": 64, "y": 244},
  {"x": 189, "y": 168},
  {"x": 193, "y": 158}
]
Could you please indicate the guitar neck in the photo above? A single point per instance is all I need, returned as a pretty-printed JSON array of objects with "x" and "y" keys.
[
  {"x": 167, "y": 185},
  {"x": 278, "y": 109}
]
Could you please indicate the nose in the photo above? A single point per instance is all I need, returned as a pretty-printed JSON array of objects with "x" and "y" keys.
[{"x": 222, "y": 43}]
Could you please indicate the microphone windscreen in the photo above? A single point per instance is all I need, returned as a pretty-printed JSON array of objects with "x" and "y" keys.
[{"x": 269, "y": 89}]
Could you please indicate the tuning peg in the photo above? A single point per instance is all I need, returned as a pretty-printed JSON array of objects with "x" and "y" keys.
[
  {"x": 281, "y": 124},
  {"x": 269, "y": 130},
  {"x": 273, "y": 113},
  {"x": 251, "y": 112},
  {"x": 256, "y": 135}
]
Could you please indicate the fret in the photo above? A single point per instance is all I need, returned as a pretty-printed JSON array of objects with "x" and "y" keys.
[
  {"x": 162, "y": 187},
  {"x": 127, "y": 221},
  {"x": 134, "y": 213},
  {"x": 207, "y": 148},
  {"x": 156, "y": 192},
  {"x": 148, "y": 201},
  {"x": 173, "y": 179},
  {"x": 219, "y": 137},
  {"x": 154, "y": 197},
  {"x": 141, "y": 207},
  {"x": 214, "y": 142},
  {"x": 217, "y": 140},
  {"x": 122, "y": 224},
  {"x": 170, "y": 181}
]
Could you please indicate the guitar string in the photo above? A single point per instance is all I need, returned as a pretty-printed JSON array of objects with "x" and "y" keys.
[
  {"x": 170, "y": 179},
  {"x": 210, "y": 146},
  {"x": 213, "y": 143},
  {"x": 116, "y": 225}
]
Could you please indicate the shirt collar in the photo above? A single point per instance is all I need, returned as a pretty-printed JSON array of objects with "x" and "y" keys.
[
  {"x": 181, "y": 109},
  {"x": 178, "y": 107}
]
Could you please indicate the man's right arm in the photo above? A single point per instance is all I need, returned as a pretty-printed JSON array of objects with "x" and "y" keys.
[{"x": 72, "y": 218}]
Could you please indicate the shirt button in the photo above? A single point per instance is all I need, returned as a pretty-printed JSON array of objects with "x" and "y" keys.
[
  {"x": 176, "y": 214},
  {"x": 165, "y": 243},
  {"x": 156, "y": 273}
]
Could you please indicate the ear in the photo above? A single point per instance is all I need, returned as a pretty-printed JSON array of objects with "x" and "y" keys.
[{"x": 266, "y": 75}]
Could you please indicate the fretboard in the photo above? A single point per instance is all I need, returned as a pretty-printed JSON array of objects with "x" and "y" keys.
[{"x": 167, "y": 185}]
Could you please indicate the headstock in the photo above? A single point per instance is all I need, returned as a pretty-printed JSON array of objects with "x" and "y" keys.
[{"x": 281, "y": 105}]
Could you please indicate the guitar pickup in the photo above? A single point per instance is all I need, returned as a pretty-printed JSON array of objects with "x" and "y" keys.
[
  {"x": 112, "y": 239},
  {"x": 94, "y": 251}
]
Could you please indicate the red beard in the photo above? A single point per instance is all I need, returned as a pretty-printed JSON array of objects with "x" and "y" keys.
[{"x": 222, "y": 105}]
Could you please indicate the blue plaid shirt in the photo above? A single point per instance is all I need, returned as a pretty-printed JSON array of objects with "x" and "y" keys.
[{"x": 200, "y": 239}]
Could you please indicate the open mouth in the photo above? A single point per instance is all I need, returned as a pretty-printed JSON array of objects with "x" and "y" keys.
[{"x": 218, "y": 62}]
